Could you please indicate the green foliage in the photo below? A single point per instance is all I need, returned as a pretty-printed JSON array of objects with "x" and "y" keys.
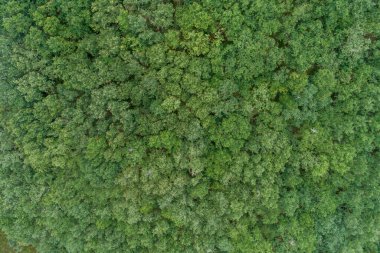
[
  {"x": 190, "y": 126},
  {"x": 5, "y": 246}
]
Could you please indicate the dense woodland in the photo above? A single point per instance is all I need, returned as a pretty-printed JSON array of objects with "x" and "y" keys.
[{"x": 190, "y": 126}]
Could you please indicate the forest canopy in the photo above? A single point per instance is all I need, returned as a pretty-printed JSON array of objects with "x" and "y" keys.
[{"x": 190, "y": 126}]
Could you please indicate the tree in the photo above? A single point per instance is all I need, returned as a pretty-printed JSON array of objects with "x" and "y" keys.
[{"x": 190, "y": 126}]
